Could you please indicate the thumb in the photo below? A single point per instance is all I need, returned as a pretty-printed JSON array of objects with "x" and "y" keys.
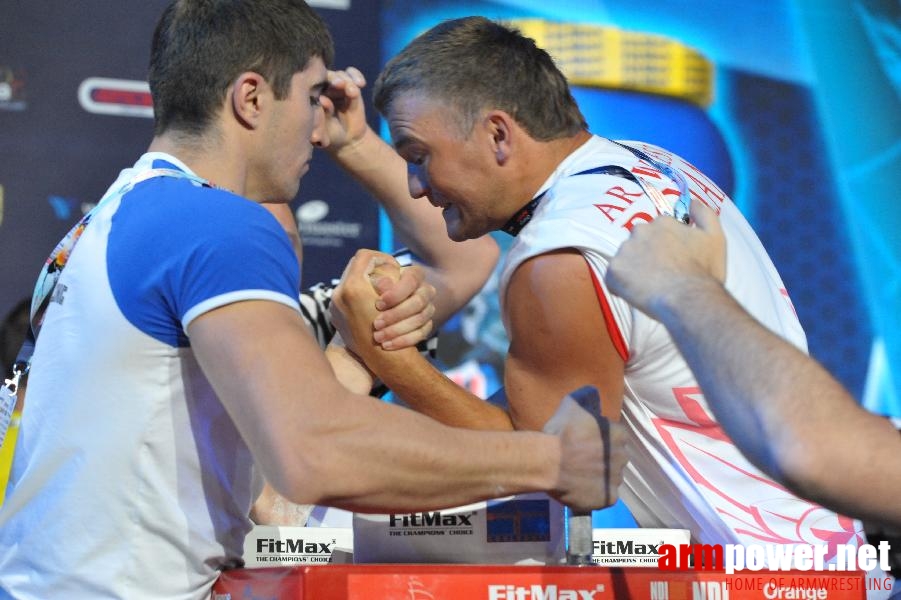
[
  {"x": 709, "y": 222},
  {"x": 383, "y": 271},
  {"x": 395, "y": 285},
  {"x": 382, "y": 282},
  {"x": 704, "y": 217},
  {"x": 587, "y": 398}
]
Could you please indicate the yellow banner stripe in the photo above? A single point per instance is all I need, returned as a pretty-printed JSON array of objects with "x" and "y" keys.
[{"x": 609, "y": 57}]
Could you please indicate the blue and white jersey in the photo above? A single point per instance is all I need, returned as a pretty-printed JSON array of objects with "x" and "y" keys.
[{"x": 124, "y": 438}]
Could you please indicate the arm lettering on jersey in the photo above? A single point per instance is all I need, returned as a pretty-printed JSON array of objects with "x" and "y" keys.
[
  {"x": 623, "y": 203},
  {"x": 709, "y": 194}
]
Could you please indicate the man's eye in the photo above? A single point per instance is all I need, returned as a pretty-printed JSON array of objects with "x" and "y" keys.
[{"x": 315, "y": 100}]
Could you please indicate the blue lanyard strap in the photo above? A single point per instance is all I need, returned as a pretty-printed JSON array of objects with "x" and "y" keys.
[
  {"x": 678, "y": 209},
  {"x": 524, "y": 214}
]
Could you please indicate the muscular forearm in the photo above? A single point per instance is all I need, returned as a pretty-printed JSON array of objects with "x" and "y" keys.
[
  {"x": 786, "y": 413},
  {"x": 375, "y": 164},
  {"x": 348, "y": 370},
  {"x": 385, "y": 458},
  {"x": 428, "y": 391},
  {"x": 317, "y": 443}
]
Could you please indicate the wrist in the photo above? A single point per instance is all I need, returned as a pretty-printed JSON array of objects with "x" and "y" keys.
[
  {"x": 534, "y": 463},
  {"x": 678, "y": 300},
  {"x": 348, "y": 153},
  {"x": 350, "y": 370},
  {"x": 393, "y": 367},
  {"x": 550, "y": 473}
]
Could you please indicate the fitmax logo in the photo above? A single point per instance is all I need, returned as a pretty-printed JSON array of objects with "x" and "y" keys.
[
  {"x": 628, "y": 548},
  {"x": 540, "y": 592},
  {"x": 292, "y": 546},
  {"x": 430, "y": 519}
]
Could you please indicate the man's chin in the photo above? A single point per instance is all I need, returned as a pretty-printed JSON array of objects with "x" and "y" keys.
[
  {"x": 456, "y": 237},
  {"x": 454, "y": 229},
  {"x": 292, "y": 191},
  {"x": 458, "y": 233}
]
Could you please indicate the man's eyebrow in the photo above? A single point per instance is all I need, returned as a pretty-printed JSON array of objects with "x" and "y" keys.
[
  {"x": 401, "y": 141},
  {"x": 320, "y": 87}
]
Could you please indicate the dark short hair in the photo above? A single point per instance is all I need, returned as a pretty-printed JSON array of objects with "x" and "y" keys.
[
  {"x": 201, "y": 46},
  {"x": 474, "y": 64}
]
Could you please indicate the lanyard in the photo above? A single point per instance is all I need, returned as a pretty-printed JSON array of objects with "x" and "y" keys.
[
  {"x": 48, "y": 279},
  {"x": 678, "y": 209},
  {"x": 56, "y": 262}
]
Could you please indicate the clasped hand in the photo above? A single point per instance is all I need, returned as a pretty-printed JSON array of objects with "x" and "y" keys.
[{"x": 379, "y": 305}]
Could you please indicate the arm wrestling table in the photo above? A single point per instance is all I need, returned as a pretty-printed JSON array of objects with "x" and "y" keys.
[{"x": 457, "y": 582}]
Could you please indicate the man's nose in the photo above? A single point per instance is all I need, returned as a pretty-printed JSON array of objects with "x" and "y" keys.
[
  {"x": 320, "y": 137},
  {"x": 417, "y": 182}
]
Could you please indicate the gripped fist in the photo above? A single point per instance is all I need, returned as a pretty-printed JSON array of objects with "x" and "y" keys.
[
  {"x": 593, "y": 452},
  {"x": 378, "y": 302},
  {"x": 406, "y": 308}
]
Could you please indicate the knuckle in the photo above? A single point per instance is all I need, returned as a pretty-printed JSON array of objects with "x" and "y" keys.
[
  {"x": 417, "y": 303},
  {"x": 391, "y": 333},
  {"x": 417, "y": 272}
]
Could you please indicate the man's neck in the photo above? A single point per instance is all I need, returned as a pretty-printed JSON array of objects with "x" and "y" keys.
[
  {"x": 542, "y": 159},
  {"x": 545, "y": 157},
  {"x": 208, "y": 158}
]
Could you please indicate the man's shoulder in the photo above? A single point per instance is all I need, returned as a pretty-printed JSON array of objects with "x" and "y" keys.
[
  {"x": 178, "y": 219},
  {"x": 177, "y": 201}
]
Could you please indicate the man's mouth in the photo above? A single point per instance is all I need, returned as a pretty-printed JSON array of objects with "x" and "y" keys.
[
  {"x": 450, "y": 211},
  {"x": 441, "y": 203}
]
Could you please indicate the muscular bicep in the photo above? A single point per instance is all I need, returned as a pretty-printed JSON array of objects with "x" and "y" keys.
[{"x": 558, "y": 339}]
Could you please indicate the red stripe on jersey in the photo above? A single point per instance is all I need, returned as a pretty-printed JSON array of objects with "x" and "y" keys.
[{"x": 616, "y": 335}]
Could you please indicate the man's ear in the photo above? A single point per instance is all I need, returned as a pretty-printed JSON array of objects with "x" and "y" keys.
[
  {"x": 500, "y": 128},
  {"x": 248, "y": 95}
]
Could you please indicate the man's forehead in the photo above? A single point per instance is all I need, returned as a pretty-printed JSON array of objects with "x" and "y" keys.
[
  {"x": 415, "y": 110},
  {"x": 407, "y": 105},
  {"x": 314, "y": 72},
  {"x": 427, "y": 115}
]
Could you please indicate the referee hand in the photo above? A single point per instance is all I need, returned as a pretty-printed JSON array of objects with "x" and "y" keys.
[{"x": 593, "y": 453}]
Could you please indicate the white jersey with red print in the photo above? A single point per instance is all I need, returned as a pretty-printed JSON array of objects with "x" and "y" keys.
[{"x": 684, "y": 471}]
